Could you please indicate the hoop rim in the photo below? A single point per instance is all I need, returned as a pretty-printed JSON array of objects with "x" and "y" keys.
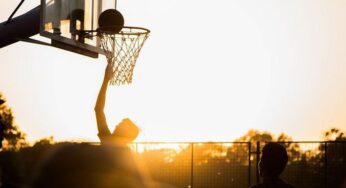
[{"x": 139, "y": 31}]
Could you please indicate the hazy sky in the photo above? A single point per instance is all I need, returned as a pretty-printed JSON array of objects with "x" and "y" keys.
[{"x": 210, "y": 71}]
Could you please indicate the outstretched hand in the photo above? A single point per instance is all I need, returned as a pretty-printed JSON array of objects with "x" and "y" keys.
[{"x": 109, "y": 72}]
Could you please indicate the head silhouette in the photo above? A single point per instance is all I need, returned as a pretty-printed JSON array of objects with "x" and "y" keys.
[
  {"x": 126, "y": 131},
  {"x": 273, "y": 160}
]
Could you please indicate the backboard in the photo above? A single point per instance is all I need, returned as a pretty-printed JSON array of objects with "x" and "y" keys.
[{"x": 63, "y": 21}]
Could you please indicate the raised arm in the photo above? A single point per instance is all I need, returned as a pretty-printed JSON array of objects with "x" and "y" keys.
[{"x": 100, "y": 105}]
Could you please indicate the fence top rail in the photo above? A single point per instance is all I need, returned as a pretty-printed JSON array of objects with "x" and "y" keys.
[
  {"x": 217, "y": 142},
  {"x": 190, "y": 142},
  {"x": 154, "y": 142},
  {"x": 309, "y": 142}
]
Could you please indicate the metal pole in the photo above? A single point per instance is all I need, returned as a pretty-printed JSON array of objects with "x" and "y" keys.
[
  {"x": 92, "y": 14},
  {"x": 258, "y": 151},
  {"x": 23, "y": 26},
  {"x": 325, "y": 165},
  {"x": 249, "y": 170},
  {"x": 2, "y": 130},
  {"x": 15, "y": 10},
  {"x": 191, "y": 180}
]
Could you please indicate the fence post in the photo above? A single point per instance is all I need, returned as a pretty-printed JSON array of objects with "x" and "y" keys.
[
  {"x": 191, "y": 180},
  {"x": 325, "y": 165},
  {"x": 249, "y": 170},
  {"x": 258, "y": 151}
]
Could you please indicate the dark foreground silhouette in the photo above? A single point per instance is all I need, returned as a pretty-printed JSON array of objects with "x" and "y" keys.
[
  {"x": 84, "y": 165},
  {"x": 272, "y": 163}
]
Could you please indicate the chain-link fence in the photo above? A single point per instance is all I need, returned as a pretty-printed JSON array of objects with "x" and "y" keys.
[
  {"x": 306, "y": 164},
  {"x": 197, "y": 165},
  {"x": 208, "y": 164},
  {"x": 335, "y": 160},
  {"x": 314, "y": 164},
  {"x": 234, "y": 164}
]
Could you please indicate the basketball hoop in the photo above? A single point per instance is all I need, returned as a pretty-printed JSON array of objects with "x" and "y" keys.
[
  {"x": 121, "y": 44},
  {"x": 122, "y": 50}
]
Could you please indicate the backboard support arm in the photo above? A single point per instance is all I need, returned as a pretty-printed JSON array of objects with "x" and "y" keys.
[
  {"x": 30, "y": 40},
  {"x": 14, "y": 12},
  {"x": 60, "y": 45}
]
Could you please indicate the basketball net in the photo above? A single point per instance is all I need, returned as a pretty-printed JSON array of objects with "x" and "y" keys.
[{"x": 122, "y": 50}]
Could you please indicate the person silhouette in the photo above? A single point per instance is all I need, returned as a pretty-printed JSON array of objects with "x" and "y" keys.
[
  {"x": 125, "y": 132},
  {"x": 112, "y": 164},
  {"x": 272, "y": 163}
]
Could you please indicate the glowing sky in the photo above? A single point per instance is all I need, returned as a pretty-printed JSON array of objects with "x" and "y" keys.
[{"x": 210, "y": 71}]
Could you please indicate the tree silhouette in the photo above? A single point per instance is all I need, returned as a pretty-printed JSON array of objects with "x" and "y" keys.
[
  {"x": 45, "y": 141},
  {"x": 334, "y": 134},
  {"x": 11, "y": 137},
  {"x": 293, "y": 149},
  {"x": 255, "y": 136}
]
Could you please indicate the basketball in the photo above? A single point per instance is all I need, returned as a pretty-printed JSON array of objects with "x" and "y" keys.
[{"x": 111, "y": 21}]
